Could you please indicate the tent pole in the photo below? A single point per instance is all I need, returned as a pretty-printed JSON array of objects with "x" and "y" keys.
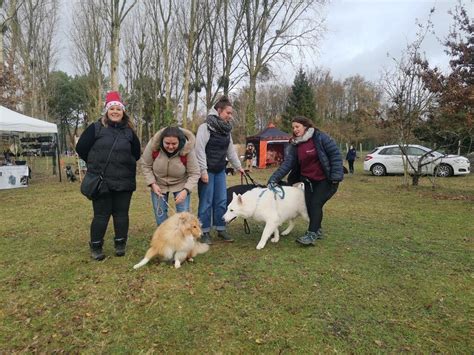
[{"x": 59, "y": 161}]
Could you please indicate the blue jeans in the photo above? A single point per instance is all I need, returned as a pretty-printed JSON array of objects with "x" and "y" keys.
[
  {"x": 161, "y": 208},
  {"x": 212, "y": 201}
]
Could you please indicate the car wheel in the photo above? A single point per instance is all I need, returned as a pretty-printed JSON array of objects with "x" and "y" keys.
[
  {"x": 378, "y": 170},
  {"x": 444, "y": 170}
]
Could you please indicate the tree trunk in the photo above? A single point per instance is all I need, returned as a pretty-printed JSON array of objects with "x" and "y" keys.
[
  {"x": 251, "y": 105},
  {"x": 114, "y": 57},
  {"x": 189, "y": 58}
]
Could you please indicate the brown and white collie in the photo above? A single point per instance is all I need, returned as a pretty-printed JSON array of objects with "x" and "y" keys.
[{"x": 176, "y": 239}]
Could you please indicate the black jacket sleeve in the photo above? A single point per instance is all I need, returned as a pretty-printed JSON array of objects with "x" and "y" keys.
[
  {"x": 289, "y": 163},
  {"x": 85, "y": 142},
  {"x": 136, "y": 149}
]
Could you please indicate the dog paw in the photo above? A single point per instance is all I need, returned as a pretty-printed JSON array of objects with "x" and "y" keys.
[
  {"x": 285, "y": 233},
  {"x": 191, "y": 260},
  {"x": 177, "y": 264},
  {"x": 274, "y": 240},
  {"x": 259, "y": 246}
]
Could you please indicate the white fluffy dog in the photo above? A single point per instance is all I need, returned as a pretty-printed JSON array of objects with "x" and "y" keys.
[
  {"x": 176, "y": 239},
  {"x": 264, "y": 205}
]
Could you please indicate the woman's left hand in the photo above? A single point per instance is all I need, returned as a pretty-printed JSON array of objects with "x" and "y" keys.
[{"x": 181, "y": 196}]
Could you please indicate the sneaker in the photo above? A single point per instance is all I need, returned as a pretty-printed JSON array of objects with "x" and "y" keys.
[
  {"x": 224, "y": 236},
  {"x": 97, "y": 253},
  {"x": 309, "y": 238},
  {"x": 319, "y": 233},
  {"x": 206, "y": 238}
]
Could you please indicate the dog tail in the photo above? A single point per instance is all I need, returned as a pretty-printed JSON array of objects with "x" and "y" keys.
[
  {"x": 141, "y": 263},
  {"x": 199, "y": 248},
  {"x": 149, "y": 254}
]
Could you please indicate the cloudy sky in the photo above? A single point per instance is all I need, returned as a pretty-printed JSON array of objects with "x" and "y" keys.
[{"x": 362, "y": 32}]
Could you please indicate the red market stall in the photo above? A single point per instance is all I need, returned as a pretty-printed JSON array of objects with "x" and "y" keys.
[{"x": 270, "y": 145}]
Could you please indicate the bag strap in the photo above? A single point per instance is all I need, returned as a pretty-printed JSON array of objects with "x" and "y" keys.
[{"x": 110, "y": 153}]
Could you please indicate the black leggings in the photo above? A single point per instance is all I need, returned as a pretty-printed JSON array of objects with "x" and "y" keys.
[
  {"x": 116, "y": 204},
  {"x": 351, "y": 166},
  {"x": 316, "y": 194}
]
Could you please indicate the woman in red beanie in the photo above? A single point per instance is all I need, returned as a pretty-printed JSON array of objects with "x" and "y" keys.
[{"x": 111, "y": 144}]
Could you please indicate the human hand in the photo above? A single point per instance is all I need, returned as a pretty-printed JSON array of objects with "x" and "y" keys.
[
  {"x": 242, "y": 171},
  {"x": 205, "y": 178},
  {"x": 272, "y": 185},
  {"x": 156, "y": 189},
  {"x": 181, "y": 196}
]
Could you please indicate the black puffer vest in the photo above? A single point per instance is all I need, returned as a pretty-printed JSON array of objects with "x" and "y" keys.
[
  {"x": 216, "y": 151},
  {"x": 120, "y": 174}
]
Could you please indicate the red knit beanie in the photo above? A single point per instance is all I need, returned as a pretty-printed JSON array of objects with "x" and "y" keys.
[{"x": 113, "y": 99}]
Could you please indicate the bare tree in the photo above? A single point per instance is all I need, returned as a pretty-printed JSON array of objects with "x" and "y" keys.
[
  {"x": 211, "y": 9},
  {"x": 188, "y": 29},
  {"x": 89, "y": 36},
  {"x": 408, "y": 98},
  {"x": 115, "y": 11},
  {"x": 9, "y": 34},
  {"x": 231, "y": 44},
  {"x": 37, "y": 27},
  {"x": 159, "y": 13},
  {"x": 271, "y": 27},
  {"x": 137, "y": 62},
  {"x": 8, "y": 11}
]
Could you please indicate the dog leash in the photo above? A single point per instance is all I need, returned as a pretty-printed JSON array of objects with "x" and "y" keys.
[
  {"x": 247, "y": 177},
  {"x": 160, "y": 211},
  {"x": 277, "y": 191}
]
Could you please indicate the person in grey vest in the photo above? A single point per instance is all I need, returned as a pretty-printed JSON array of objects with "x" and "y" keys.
[
  {"x": 213, "y": 145},
  {"x": 94, "y": 147}
]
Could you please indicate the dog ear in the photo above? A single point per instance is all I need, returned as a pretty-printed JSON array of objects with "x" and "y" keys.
[
  {"x": 183, "y": 218},
  {"x": 239, "y": 198}
]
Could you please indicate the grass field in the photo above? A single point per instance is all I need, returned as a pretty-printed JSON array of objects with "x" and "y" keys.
[{"x": 395, "y": 273}]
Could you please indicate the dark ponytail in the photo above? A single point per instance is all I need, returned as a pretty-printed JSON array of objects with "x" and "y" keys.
[{"x": 222, "y": 103}]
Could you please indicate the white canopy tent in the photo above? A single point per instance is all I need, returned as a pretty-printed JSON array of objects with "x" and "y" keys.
[{"x": 12, "y": 121}]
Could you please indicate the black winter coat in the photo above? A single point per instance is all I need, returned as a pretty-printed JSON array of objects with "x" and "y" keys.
[
  {"x": 351, "y": 154},
  {"x": 94, "y": 146}
]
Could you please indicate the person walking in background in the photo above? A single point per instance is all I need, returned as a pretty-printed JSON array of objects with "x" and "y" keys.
[
  {"x": 169, "y": 165},
  {"x": 351, "y": 157},
  {"x": 315, "y": 157},
  {"x": 248, "y": 156},
  {"x": 111, "y": 138},
  {"x": 213, "y": 145}
]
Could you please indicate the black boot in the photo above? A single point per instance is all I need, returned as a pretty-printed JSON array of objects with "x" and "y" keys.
[
  {"x": 120, "y": 245},
  {"x": 96, "y": 251}
]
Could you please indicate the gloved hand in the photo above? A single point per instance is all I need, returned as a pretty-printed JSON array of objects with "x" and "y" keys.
[{"x": 272, "y": 185}]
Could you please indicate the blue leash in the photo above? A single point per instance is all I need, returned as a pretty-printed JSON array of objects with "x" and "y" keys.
[{"x": 277, "y": 191}]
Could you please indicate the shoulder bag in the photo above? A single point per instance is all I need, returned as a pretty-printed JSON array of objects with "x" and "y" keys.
[{"x": 93, "y": 184}]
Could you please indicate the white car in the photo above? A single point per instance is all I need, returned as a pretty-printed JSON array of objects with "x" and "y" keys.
[{"x": 388, "y": 159}]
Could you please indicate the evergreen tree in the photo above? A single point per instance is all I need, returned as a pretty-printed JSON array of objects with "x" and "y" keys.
[{"x": 300, "y": 101}]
